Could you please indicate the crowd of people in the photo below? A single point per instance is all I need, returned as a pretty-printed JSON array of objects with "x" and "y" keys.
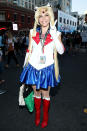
[
  {"x": 11, "y": 45},
  {"x": 72, "y": 42}
]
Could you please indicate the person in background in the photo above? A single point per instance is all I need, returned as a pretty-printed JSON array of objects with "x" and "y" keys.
[
  {"x": 11, "y": 54},
  {"x": 38, "y": 68},
  {"x": 27, "y": 41},
  {"x": 2, "y": 81},
  {"x": 1, "y": 53}
]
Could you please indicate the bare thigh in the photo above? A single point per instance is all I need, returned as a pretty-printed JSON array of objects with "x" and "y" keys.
[
  {"x": 46, "y": 93},
  {"x": 36, "y": 93}
]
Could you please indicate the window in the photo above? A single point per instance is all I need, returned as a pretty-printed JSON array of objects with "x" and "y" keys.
[
  {"x": 29, "y": 5},
  {"x": 64, "y": 21},
  {"x": 26, "y": 5},
  {"x": 73, "y": 23},
  {"x": 67, "y": 21},
  {"x": 2, "y": 16},
  {"x": 15, "y": 17},
  {"x": 60, "y": 19},
  {"x": 70, "y": 22},
  {"x": 32, "y": 6},
  {"x": 29, "y": 19},
  {"x": 22, "y": 18},
  {"x": 33, "y": 1}
]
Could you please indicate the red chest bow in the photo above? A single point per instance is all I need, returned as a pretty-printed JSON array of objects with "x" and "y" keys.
[{"x": 47, "y": 41}]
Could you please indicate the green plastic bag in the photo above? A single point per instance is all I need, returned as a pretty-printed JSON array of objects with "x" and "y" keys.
[
  {"x": 29, "y": 101},
  {"x": 28, "y": 98}
]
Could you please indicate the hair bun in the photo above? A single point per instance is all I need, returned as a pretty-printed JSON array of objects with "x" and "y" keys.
[
  {"x": 35, "y": 9},
  {"x": 49, "y": 5}
]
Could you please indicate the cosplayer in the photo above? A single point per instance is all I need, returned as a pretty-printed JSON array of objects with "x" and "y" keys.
[{"x": 39, "y": 69}]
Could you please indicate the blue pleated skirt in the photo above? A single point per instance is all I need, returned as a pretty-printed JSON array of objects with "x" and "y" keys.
[{"x": 41, "y": 78}]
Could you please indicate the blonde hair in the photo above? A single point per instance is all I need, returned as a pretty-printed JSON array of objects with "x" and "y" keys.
[{"x": 47, "y": 9}]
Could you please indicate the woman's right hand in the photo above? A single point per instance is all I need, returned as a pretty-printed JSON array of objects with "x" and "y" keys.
[{"x": 27, "y": 57}]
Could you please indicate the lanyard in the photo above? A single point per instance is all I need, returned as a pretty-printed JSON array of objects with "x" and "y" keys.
[{"x": 42, "y": 41}]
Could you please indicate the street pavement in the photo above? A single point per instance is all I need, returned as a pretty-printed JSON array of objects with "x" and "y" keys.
[{"x": 67, "y": 100}]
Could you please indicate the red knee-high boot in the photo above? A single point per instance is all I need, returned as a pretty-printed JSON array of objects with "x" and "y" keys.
[
  {"x": 46, "y": 104},
  {"x": 37, "y": 102}
]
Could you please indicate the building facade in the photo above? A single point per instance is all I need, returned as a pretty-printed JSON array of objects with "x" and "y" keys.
[
  {"x": 29, "y": 4},
  {"x": 10, "y": 14},
  {"x": 22, "y": 11},
  {"x": 65, "y": 5},
  {"x": 5, "y": 1}
]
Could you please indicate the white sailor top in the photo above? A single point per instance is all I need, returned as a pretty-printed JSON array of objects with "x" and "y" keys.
[{"x": 38, "y": 56}]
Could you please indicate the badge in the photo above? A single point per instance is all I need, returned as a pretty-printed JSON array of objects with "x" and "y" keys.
[{"x": 42, "y": 59}]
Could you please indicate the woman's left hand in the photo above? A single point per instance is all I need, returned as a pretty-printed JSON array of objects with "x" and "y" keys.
[{"x": 53, "y": 30}]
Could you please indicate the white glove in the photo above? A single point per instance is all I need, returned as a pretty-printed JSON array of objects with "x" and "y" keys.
[
  {"x": 27, "y": 57},
  {"x": 54, "y": 33},
  {"x": 53, "y": 30}
]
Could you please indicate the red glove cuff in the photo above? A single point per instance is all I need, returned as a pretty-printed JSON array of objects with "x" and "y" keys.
[{"x": 27, "y": 50}]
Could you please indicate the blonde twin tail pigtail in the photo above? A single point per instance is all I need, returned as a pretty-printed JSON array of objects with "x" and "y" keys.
[
  {"x": 52, "y": 22},
  {"x": 56, "y": 65},
  {"x": 34, "y": 29},
  {"x": 50, "y": 10}
]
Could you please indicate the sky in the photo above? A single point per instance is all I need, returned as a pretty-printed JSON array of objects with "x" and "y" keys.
[{"x": 79, "y": 5}]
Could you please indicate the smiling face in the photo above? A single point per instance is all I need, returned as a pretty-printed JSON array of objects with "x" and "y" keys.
[{"x": 44, "y": 18}]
